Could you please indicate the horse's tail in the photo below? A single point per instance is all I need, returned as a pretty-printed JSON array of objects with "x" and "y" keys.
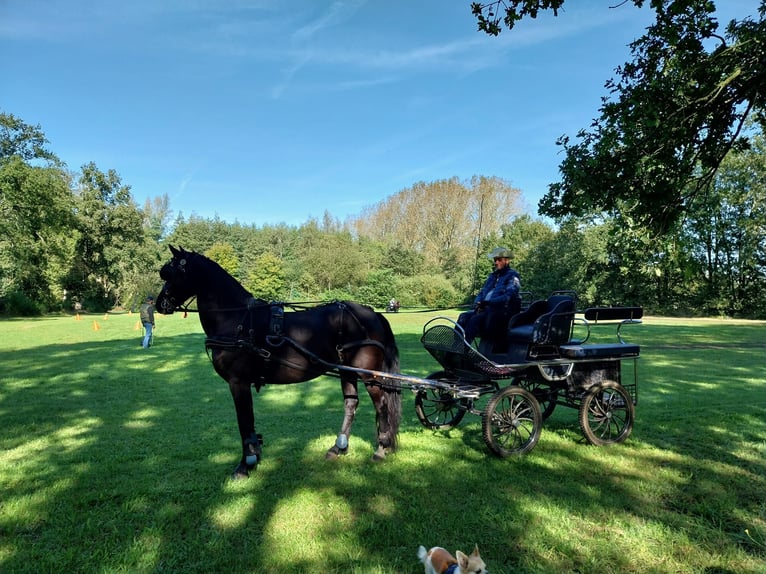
[{"x": 392, "y": 388}]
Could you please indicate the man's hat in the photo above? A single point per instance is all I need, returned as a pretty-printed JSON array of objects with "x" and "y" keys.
[
  {"x": 499, "y": 252},
  {"x": 149, "y": 298}
]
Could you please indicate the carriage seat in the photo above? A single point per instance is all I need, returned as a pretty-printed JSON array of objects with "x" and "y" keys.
[
  {"x": 545, "y": 322},
  {"x": 494, "y": 338}
]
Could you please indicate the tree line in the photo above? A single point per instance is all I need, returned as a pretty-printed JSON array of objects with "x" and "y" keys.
[{"x": 79, "y": 238}]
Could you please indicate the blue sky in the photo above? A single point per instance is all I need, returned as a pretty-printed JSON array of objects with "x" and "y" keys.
[{"x": 262, "y": 111}]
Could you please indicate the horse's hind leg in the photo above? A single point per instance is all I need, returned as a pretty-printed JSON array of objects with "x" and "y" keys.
[
  {"x": 387, "y": 413},
  {"x": 350, "y": 402},
  {"x": 251, "y": 443}
]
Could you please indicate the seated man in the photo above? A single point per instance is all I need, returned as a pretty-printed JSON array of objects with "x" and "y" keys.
[{"x": 497, "y": 301}]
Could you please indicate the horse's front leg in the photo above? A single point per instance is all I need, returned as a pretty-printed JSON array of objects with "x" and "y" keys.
[
  {"x": 350, "y": 402},
  {"x": 251, "y": 443}
]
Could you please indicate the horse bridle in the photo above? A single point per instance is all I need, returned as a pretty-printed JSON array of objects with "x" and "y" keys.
[{"x": 169, "y": 304}]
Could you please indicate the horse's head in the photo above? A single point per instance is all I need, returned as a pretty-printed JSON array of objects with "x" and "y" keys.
[{"x": 179, "y": 285}]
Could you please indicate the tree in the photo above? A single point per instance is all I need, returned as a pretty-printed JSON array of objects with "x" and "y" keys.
[
  {"x": 225, "y": 255},
  {"x": 442, "y": 220},
  {"x": 726, "y": 236},
  {"x": 333, "y": 259},
  {"x": 402, "y": 261},
  {"x": 193, "y": 234},
  {"x": 35, "y": 216},
  {"x": 20, "y": 139},
  {"x": 157, "y": 214},
  {"x": 670, "y": 118},
  {"x": 266, "y": 279},
  {"x": 527, "y": 239},
  {"x": 35, "y": 239},
  {"x": 110, "y": 235}
]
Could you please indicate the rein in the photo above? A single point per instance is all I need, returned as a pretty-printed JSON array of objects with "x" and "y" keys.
[
  {"x": 292, "y": 305},
  {"x": 185, "y": 307},
  {"x": 324, "y": 367},
  {"x": 276, "y": 338}
]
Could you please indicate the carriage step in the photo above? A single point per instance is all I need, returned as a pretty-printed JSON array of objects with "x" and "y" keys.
[{"x": 601, "y": 351}]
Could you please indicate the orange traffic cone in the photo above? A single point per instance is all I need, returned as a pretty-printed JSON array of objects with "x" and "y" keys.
[
  {"x": 77, "y": 317},
  {"x": 138, "y": 326},
  {"x": 95, "y": 326}
]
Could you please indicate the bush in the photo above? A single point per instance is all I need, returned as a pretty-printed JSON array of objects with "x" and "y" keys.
[
  {"x": 429, "y": 290},
  {"x": 337, "y": 295},
  {"x": 17, "y": 303},
  {"x": 380, "y": 287}
]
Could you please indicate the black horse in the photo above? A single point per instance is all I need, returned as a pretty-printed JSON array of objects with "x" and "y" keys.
[{"x": 252, "y": 342}]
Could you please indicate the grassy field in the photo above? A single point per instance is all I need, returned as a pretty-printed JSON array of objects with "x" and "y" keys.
[{"x": 116, "y": 459}]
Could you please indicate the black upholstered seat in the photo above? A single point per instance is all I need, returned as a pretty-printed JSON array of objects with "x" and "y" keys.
[{"x": 544, "y": 322}]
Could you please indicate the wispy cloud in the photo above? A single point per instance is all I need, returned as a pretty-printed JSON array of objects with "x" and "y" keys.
[
  {"x": 464, "y": 55},
  {"x": 184, "y": 183},
  {"x": 338, "y": 13},
  {"x": 364, "y": 83},
  {"x": 289, "y": 73}
]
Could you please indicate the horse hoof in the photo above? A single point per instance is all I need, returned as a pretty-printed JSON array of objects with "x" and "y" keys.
[
  {"x": 240, "y": 472},
  {"x": 334, "y": 452},
  {"x": 379, "y": 455}
]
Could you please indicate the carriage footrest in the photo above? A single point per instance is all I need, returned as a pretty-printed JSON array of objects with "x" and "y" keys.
[
  {"x": 603, "y": 351},
  {"x": 452, "y": 352}
]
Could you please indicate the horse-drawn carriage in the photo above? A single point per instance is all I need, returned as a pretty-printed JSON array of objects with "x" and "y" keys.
[
  {"x": 540, "y": 357},
  {"x": 252, "y": 342}
]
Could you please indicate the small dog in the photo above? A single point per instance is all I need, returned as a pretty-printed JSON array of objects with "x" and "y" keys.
[{"x": 439, "y": 561}]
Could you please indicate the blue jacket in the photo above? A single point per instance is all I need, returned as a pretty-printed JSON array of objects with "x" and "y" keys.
[{"x": 499, "y": 288}]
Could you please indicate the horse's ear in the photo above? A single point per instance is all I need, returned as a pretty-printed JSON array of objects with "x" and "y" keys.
[{"x": 174, "y": 251}]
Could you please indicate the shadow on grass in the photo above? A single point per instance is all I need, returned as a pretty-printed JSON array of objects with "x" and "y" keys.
[{"x": 117, "y": 459}]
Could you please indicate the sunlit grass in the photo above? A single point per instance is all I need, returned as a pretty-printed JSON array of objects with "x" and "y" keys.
[{"x": 116, "y": 459}]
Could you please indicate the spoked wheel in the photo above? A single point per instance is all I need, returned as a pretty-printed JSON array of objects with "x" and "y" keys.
[
  {"x": 606, "y": 414},
  {"x": 545, "y": 394},
  {"x": 512, "y": 422},
  {"x": 438, "y": 409}
]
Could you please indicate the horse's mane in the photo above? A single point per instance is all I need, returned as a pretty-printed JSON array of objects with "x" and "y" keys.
[{"x": 217, "y": 277}]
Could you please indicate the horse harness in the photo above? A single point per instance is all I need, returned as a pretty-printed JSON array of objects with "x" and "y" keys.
[{"x": 245, "y": 339}]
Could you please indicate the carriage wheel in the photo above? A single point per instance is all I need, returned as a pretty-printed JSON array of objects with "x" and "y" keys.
[
  {"x": 512, "y": 422},
  {"x": 606, "y": 414},
  {"x": 437, "y": 409},
  {"x": 545, "y": 394}
]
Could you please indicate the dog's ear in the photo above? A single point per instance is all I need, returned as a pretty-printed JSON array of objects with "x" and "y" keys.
[
  {"x": 475, "y": 550},
  {"x": 462, "y": 560}
]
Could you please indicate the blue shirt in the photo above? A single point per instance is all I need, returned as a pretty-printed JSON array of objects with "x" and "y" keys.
[{"x": 500, "y": 287}]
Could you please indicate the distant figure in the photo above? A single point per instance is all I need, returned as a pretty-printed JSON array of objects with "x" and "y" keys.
[
  {"x": 393, "y": 306},
  {"x": 497, "y": 301},
  {"x": 147, "y": 319}
]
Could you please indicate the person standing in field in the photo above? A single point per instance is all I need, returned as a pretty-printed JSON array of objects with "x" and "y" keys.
[{"x": 147, "y": 320}]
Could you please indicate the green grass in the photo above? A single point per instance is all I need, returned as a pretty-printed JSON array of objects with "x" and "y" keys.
[{"x": 116, "y": 459}]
